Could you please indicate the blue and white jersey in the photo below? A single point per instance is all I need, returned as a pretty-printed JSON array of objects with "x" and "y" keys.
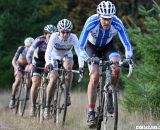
[{"x": 94, "y": 33}]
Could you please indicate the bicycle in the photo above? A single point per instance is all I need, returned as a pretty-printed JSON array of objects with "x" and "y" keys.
[
  {"x": 104, "y": 92},
  {"x": 41, "y": 97},
  {"x": 23, "y": 94},
  {"x": 58, "y": 107}
]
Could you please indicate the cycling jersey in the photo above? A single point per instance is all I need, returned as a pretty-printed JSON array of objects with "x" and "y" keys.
[
  {"x": 36, "y": 52},
  {"x": 94, "y": 32},
  {"x": 20, "y": 55},
  {"x": 58, "y": 48}
]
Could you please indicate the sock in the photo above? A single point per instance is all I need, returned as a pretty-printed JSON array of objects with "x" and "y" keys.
[{"x": 91, "y": 107}]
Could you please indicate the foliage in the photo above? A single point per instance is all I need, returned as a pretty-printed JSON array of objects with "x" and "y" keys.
[
  {"x": 20, "y": 19},
  {"x": 142, "y": 91}
]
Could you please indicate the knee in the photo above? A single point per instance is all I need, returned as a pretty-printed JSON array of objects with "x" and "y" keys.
[
  {"x": 35, "y": 83},
  {"x": 116, "y": 70},
  {"x": 53, "y": 77},
  {"x": 17, "y": 80},
  {"x": 69, "y": 75},
  {"x": 68, "y": 64}
]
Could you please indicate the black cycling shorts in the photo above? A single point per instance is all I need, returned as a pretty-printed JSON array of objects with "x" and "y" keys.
[
  {"x": 100, "y": 52},
  {"x": 36, "y": 70},
  {"x": 20, "y": 67}
]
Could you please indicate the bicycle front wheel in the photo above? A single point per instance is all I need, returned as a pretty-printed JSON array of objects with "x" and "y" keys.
[
  {"x": 110, "y": 111},
  {"x": 62, "y": 105},
  {"x": 23, "y": 99},
  {"x": 40, "y": 103},
  {"x": 17, "y": 97}
]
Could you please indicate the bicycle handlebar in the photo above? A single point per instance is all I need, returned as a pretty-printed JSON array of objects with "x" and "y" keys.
[
  {"x": 120, "y": 63},
  {"x": 73, "y": 71}
]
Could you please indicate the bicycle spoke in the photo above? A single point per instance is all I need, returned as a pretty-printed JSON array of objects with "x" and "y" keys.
[
  {"x": 61, "y": 106},
  {"x": 110, "y": 118},
  {"x": 23, "y": 100}
]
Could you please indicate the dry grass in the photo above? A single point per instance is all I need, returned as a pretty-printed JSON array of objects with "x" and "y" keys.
[{"x": 76, "y": 117}]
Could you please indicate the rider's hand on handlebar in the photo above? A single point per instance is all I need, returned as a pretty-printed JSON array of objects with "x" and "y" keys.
[
  {"x": 48, "y": 67},
  {"x": 81, "y": 71},
  {"x": 127, "y": 62},
  {"x": 93, "y": 60},
  {"x": 89, "y": 60}
]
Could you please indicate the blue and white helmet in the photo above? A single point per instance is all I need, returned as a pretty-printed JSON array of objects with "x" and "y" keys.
[
  {"x": 64, "y": 25},
  {"x": 50, "y": 28},
  {"x": 106, "y": 9},
  {"x": 28, "y": 41}
]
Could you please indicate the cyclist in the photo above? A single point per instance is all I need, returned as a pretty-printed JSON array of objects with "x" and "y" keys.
[
  {"x": 19, "y": 63},
  {"x": 35, "y": 58},
  {"x": 60, "y": 48},
  {"x": 96, "y": 40}
]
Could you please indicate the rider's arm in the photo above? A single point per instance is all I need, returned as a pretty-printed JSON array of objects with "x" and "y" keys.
[
  {"x": 123, "y": 35},
  {"x": 16, "y": 56},
  {"x": 80, "y": 60},
  {"x": 31, "y": 50},
  {"x": 89, "y": 25},
  {"x": 49, "y": 49}
]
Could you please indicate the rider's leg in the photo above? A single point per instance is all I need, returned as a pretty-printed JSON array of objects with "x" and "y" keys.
[
  {"x": 51, "y": 86},
  {"x": 50, "y": 91},
  {"x": 15, "y": 85},
  {"x": 92, "y": 87},
  {"x": 68, "y": 64},
  {"x": 36, "y": 81},
  {"x": 115, "y": 73}
]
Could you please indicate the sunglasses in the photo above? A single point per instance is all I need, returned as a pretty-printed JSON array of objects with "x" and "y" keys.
[{"x": 63, "y": 32}]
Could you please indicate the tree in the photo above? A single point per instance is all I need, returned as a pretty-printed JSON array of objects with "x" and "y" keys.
[
  {"x": 18, "y": 20},
  {"x": 142, "y": 91}
]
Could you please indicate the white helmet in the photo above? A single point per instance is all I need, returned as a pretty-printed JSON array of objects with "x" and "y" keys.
[
  {"x": 64, "y": 25},
  {"x": 28, "y": 41},
  {"x": 50, "y": 28},
  {"x": 106, "y": 9}
]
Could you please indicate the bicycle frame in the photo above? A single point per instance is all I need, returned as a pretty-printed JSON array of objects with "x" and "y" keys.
[
  {"x": 60, "y": 101},
  {"x": 40, "y": 103},
  {"x": 103, "y": 91},
  {"x": 22, "y": 93}
]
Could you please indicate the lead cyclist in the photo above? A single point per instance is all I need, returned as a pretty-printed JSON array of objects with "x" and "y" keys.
[{"x": 96, "y": 39}]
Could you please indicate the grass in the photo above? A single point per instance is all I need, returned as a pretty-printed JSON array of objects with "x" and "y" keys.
[{"x": 76, "y": 117}]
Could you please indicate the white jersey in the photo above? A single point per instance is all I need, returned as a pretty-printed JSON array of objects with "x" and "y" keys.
[{"x": 57, "y": 48}]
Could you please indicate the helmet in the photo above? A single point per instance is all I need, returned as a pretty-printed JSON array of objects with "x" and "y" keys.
[
  {"x": 64, "y": 25},
  {"x": 106, "y": 9},
  {"x": 28, "y": 41},
  {"x": 50, "y": 28}
]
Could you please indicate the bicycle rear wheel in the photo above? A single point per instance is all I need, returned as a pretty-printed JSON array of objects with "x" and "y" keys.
[
  {"x": 53, "y": 105},
  {"x": 110, "y": 109},
  {"x": 40, "y": 104},
  {"x": 17, "y": 97},
  {"x": 62, "y": 105},
  {"x": 23, "y": 99}
]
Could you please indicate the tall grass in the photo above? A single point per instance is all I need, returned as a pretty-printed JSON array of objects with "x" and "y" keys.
[{"x": 76, "y": 117}]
